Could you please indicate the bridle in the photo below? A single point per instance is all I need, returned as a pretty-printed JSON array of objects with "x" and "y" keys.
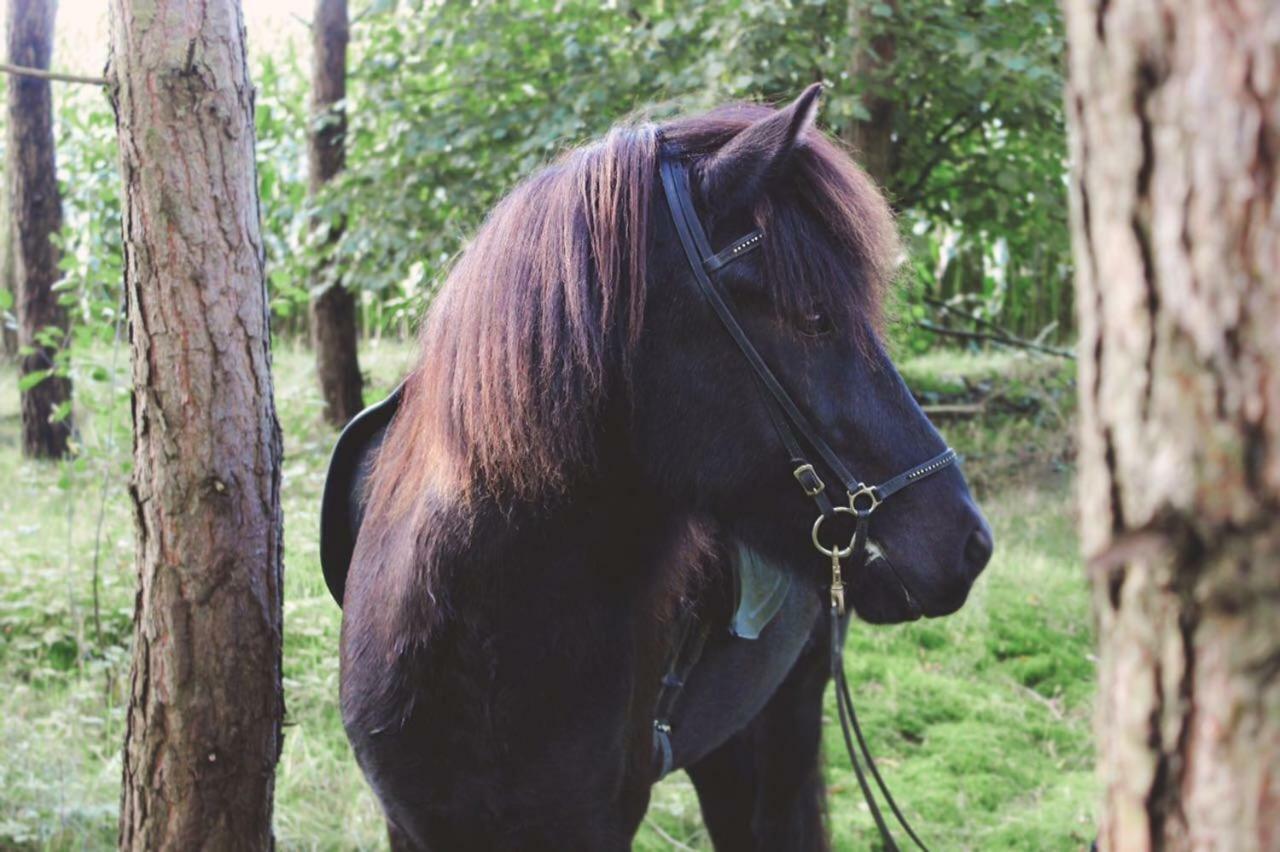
[
  {"x": 793, "y": 427},
  {"x": 796, "y": 432}
]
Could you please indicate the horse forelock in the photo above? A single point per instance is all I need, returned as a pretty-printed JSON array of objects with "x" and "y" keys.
[
  {"x": 824, "y": 189},
  {"x": 538, "y": 319}
]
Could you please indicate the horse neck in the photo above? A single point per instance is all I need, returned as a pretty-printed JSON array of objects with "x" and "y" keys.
[{"x": 601, "y": 545}]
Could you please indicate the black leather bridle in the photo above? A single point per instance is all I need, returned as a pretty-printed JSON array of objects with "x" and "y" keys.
[{"x": 796, "y": 432}]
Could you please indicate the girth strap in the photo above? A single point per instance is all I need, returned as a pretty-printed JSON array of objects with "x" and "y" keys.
[{"x": 685, "y": 654}]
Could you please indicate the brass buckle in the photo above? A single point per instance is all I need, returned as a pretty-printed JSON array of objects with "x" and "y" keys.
[
  {"x": 809, "y": 491},
  {"x": 872, "y": 495}
]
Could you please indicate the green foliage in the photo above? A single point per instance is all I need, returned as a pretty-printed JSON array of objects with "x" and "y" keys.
[
  {"x": 88, "y": 179},
  {"x": 280, "y": 116},
  {"x": 979, "y": 165},
  {"x": 451, "y": 104}
]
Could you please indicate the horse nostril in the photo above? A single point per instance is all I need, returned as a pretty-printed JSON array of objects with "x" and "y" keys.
[{"x": 977, "y": 550}]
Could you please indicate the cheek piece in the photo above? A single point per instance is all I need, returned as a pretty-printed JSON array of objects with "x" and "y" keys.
[{"x": 795, "y": 431}]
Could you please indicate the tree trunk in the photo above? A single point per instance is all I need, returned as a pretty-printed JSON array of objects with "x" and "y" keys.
[
  {"x": 203, "y": 727},
  {"x": 333, "y": 308},
  {"x": 873, "y": 54},
  {"x": 1175, "y": 133},
  {"x": 34, "y": 218}
]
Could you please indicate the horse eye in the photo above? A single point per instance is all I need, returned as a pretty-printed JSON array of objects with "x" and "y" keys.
[{"x": 814, "y": 322}]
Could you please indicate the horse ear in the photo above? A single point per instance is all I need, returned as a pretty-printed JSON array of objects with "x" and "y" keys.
[{"x": 741, "y": 171}]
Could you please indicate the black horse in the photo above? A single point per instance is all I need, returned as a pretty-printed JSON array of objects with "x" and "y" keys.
[{"x": 582, "y": 465}]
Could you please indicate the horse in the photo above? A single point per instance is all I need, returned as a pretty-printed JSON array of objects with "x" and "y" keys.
[{"x": 582, "y": 464}]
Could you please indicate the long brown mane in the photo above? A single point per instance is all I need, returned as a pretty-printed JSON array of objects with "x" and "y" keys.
[{"x": 538, "y": 318}]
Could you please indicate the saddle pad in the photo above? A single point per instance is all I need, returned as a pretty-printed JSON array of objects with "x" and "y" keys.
[
  {"x": 342, "y": 506},
  {"x": 762, "y": 589}
]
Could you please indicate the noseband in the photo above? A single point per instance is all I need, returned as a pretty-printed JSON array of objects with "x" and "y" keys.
[{"x": 796, "y": 432}]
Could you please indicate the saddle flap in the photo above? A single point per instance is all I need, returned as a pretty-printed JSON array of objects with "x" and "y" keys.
[{"x": 342, "y": 506}]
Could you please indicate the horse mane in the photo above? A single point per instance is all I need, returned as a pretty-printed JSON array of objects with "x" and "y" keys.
[{"x": 536, "y": 323}]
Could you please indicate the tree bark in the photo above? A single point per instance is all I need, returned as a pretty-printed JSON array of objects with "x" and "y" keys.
[
  {"x": 333, "y": 308},
  {"x": 203, "y": 727},
  {"x": 873, "y": 54},
  {"x": 34, "y": 218},
  {"x": 1175, "y": 133}
]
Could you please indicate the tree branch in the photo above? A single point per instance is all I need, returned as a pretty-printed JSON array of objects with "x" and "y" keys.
[
  {"x": 941, "y": 142},
  {"x": 1002, "y": 339},
  {"x": 41, "y": 74}
]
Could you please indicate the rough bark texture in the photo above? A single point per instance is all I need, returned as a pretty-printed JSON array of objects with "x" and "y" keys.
[
  {"x": 203, "y": 727},
  {"x": 1175, "y": 120},
  {"x": 333, "y": 308},
  {"x": 34, "y": 217},
  {"x": 872, "y": 139}
]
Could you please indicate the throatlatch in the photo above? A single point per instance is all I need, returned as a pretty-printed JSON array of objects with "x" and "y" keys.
[{"x": 795, "y": 431}]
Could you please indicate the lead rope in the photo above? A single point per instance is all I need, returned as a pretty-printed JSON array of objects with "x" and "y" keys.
[
  {"x": 847, "y": 700},
  {"x": 837, "y": 674},
  {"x": 844, "y": 699}
]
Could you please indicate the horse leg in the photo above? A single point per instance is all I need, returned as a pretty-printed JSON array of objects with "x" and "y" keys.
[
  {"x": 763, "y": 789},
  {"x": 790, "y": 797},
  {"x": 726, "y": 783}
]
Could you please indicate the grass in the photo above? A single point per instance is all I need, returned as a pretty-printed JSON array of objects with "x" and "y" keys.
[{"x": 980, "y": 721}]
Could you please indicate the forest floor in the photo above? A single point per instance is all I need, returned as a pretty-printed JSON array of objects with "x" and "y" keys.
[{"x": 980, "y": 721}]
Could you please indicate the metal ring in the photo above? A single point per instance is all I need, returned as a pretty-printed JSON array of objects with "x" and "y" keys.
[
  {"x": 837, "y": 552},
  {"x": 868, "y": 491}
]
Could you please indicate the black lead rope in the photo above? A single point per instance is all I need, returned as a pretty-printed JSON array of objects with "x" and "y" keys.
[
  {"x": 849, "y": 720},
  {"x": 787, "y": 420},
  {"x": 837, "y": 675}
]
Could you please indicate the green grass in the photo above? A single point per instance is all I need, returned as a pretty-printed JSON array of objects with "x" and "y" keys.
[{"x": 980, "y": 721}]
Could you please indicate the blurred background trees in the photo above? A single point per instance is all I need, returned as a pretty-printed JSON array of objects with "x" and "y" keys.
[
  {"x": 33, "y": 217},
  {"x": 955, "y": 106},
  {"x": 333, "y": 307}
]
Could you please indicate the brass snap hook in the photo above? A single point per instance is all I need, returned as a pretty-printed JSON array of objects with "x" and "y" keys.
[{"x": 836, "y": 554}]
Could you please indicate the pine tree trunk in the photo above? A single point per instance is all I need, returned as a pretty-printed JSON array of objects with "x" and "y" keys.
[
  {"x": 1175, "y": 133},
  {"x": 333, "y": 308},
  {"x": 203, "y": 727},
  {"x": 872, "y": 138},
  {"x": 34, "y": 218}
]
